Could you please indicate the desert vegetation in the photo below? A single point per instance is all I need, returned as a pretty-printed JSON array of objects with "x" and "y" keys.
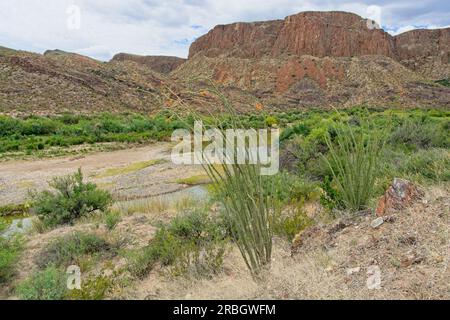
[{"x": 335, "y": 166}]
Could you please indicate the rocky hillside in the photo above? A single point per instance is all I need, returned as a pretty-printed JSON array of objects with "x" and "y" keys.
[
  {"x": 325, "y": 59},
  {"x": 58, "y": 81},
  {"x": 161, "y": 64},
  {"x": 311, "y": 59}
]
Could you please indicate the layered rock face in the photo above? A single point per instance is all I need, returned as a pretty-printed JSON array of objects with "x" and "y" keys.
[
  {"x": 323, "y": 34},
  {"x": 424, "y": 43},
  {"x": 243, "y": 40},
  {"x": 324, "y": 59},
  {"x": 425, "y": 51},
  {"x": 319, "y": 34},
  {"x": 161, "y": 64}
]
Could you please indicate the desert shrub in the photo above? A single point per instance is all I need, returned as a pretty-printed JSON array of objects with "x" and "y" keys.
[
  {"x": 49, "y": 284},
  {"x": 433, "y": 165},
  {"x": 418, "y": 135},
  {"x": 285, "y": 187},
  {"x": 73, "y": 199},
  {"x": 298, "y": 129},
  {"x": 9, "y": 254},
  {"x": 192, "y": 242},
  {"x": 330, "y": 197},
  {"x": 354, "y": 162},
  {"x": 66, "y": 250},
  {"x": 39, "y": 126},
  {"x": 92, "y": 289},
  {"x": 112, "y": 219},
  {"x": 14, "y": 210},
  {"x": 290, "y": 221},
  {"x": 303, "y": 156},
  {"x": 271, "y": 121},
  {"x": 164, "y": 249}
]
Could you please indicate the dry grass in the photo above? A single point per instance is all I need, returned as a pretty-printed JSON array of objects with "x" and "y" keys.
[
  {"x": 128, "y": 169},
  {"x": 412, "y": 252},
  {"x": 195, "y": 180},
  {"x": 158, "y": 209}
]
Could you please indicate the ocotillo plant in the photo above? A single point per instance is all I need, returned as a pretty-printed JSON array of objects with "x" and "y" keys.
[{"x": 354, "y": 162}]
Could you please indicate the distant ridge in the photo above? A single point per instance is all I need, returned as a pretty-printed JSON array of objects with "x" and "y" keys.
[{"x": 311, "y": 59}]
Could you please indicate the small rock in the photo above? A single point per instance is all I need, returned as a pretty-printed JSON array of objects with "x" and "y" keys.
[
  {"x": 390, "y": 219},
  {"x": 410, "y": 259},
  {"x": 353, "y": 271},
  {"x": 18, "y": 227},
  {"x": 377, "y": 223}
]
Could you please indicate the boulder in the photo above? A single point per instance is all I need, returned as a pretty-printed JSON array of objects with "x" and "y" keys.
[{"x": 400, "y": 195}]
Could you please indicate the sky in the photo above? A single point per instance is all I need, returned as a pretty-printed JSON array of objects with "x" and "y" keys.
[{"x": 102, "y": 28}]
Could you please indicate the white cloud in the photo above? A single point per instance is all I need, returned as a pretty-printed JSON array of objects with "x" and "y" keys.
[
  {"x": 156, "y": 27},
  {"x": 401, "y": 30}
]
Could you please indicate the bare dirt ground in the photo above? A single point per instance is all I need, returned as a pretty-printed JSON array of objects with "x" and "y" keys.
[{"x": 133, "y": 174}]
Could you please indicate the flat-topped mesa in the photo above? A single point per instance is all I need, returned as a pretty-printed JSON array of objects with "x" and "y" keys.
[
  {"x": 320, "y": 34},
  {"x": 161, "y": 64}
]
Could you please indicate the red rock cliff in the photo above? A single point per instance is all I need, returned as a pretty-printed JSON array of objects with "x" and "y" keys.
[{"x": 320, "y": 34}]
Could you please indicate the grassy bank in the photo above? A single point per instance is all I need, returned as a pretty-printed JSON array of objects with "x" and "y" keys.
[{"x": 35, "y": 135}]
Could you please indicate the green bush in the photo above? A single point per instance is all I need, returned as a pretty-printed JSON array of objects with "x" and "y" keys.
[
  {"x": 291, "y": 222},
  {"x": 73, "y": 199},
  {"x": 303, "y": 156},
  {"x": 66, "y": 250},
  {"x": 164, "y": 249},
  {"x": 112, "y": 219},
  {"x": 3, "y": 225},
  {"x": 330, "y": 197},
  {"x": 271, "y": 121},
  {"x": 49, "y": 284},
  {"x": 418, "y": 135},
  {"x": 433, "y": 165},
  {"x": 190, "y": 242},
  {"x": 14, "y": 210},
  {"x": 9, "y": 255},
  {"x": 91, "y": 289},
  {"x": 298, "y": 129}
]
